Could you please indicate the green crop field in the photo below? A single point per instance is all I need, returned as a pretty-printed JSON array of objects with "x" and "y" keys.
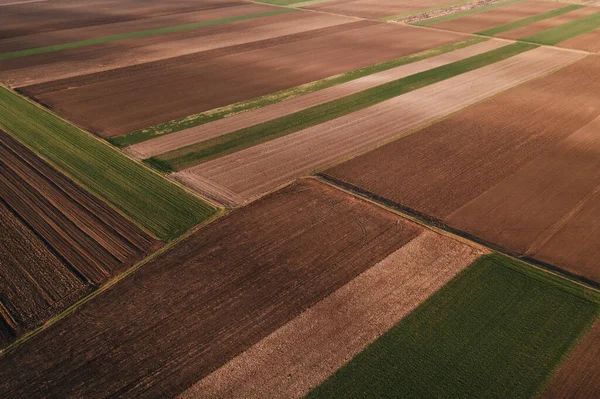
[
  {"x": 156, "y": 204},
  {"x": 566, "y": 31},
  {"x": 253, "y": 135},
  {"x": 199, "y": 119},
  {"x": 132, "y": 35},
  {"x": 530, "y": 20},
  {"x": 498, "y": 330},
  {"x": 460, "y": 14}
]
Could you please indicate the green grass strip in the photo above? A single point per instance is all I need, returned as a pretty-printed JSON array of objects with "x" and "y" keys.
[
  {"x": 210, "y": 116},
  {"x": 473, "y": 11},
  {"x": 132, "y": 35},
  {"x": 565, "y": 31},
  {"x": 497, "y": 330},
  {"x": 201, "y": 152},
  {"x": 153, "y": 202},
  {"x": 413, "y": 13},
  {"x": 530, "y": 20}
]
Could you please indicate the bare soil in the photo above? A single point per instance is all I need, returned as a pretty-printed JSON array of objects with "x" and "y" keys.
[
  {"x": 248, "y": 173},
  {"x": 116, "y": 106},
  {"x": 588, "y": 42},
  {"x": 209, "y": 298},
  {"x": 375, "y": 9},
  {"x": 304, "y": 352}
]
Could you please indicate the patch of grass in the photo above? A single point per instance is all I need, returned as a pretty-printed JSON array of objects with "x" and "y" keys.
[
  {"x": 201, "y": 152},
  {"x": 565, "y": 31},
  {"x": 529, "y": 20},
  {"x": 199, "y": 119},
  {"x": 131, "y": 35},
  {"x": 412, "y": 13},
  {"x": 473, "y": 11},
  {"x": 279, "y": 2},
  {"x": 153, "y": 202},
  {"x": 498, "y": 330}
]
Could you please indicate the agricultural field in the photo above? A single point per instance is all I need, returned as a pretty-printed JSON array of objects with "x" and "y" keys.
[{"x": 299, "y": 198}]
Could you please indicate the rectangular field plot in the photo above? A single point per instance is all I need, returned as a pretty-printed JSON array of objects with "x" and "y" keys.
[
  {"x": 376, "y": 8},
  {"x": 496, "y": 331},
  {"x": 58, "y": 241},
  {"x": 519, "y": 172},
  {"x": 120, "y": 101},
  {"x": 209, "y": 298}
]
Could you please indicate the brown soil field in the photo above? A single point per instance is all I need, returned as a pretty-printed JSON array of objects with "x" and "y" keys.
[
  {"x": 116, "y": 106},
  {"x": 148, "y": 50},
  {"x": 26, "y": 18},
  {"x": 588, "y": 41},
  {"x": 34, "y": 40},
  {"x": 579, "y": 376},
  {"x": 548, "y": 23},
  {"x": 235, "y": 178},
  {"x": 499, "y": 16},
  {"x": 375, "y": 9},
  {"x": 230, "y": 124},
  {"x": 209, "y": 298},
  {"x": 304, "y": 352},
  {"x": 503, "y": 170}
]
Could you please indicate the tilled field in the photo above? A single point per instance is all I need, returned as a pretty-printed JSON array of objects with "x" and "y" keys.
[
  {"x": 375, "y": 8},
  {"x": 237, "y": 177},
  {"x": 499, "y": 16},
  {"x": 113, "y": 104},
  {"x": 519, "y": 171},
  {"x": 208, "y": 299},
  {"x": 64, "y": 241}
]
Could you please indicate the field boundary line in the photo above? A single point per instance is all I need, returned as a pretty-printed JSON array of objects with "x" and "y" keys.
[{"x": 110, "y": 283}]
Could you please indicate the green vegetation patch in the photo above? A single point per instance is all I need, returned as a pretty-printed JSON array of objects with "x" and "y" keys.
[
  {"x": 205, "y": 117},
  {"x": 565, "y": 31},
  {"x": 158, "y": 205},
  {"x": 473, "y": 11},
  {"x": 413, "y": 13},
  {"x": 201, "y": 152},
  {"x": 132, "y": 35},
  {"x": 530, "y": 20},
  {"x": 498, "y": 330}
]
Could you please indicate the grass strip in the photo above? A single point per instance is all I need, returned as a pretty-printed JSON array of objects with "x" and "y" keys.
[
  {"x": 530, "y": 20},
  {"x": 413, "y": 13},
  {"x": 153, "y": 202},
  {"x": 204, "y": 151},
  {"x": 565, "y": 31},
  {"x": 187, "y": 122},
  {"x": 132, "y": 35},
  {"x": 456, "y": 15},
  {"x": 497, "y": 330}
]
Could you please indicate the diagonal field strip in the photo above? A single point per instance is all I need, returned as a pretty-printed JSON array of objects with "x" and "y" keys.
[
  {"x": 144, "y": 196},
  {"x": 503, "y": 326},
  {"x": 304, "y": 352},
  {"x": 253, "y": 135},
  {"x": 191, "y": 121},
  {"x": 412, "y": 13},
  {"x": 132, "y": 35},
  {"x": 208, "y": 131},
  {"x": 565, "y": 31},
  {"x": 451, "y": 17},
  {"x": 529, "y": 20},
  {"x": 238, "y": 177}
]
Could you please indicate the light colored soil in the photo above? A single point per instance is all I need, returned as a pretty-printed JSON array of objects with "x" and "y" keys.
[
  {"x": 579, "y": 376},
  {"x": 548, "y": 23},
  {"x": 86, "y": 60},
  {"x": 588, "y": 41},
  {"x": 258, "y": 169},
  {"x": 376, "y": 8},
  {"x": 448, "y": 10},
  {"x": 304, "y": 352},
  {"x": 240, "y": 121},
  {"x": 499, "y": 16}
]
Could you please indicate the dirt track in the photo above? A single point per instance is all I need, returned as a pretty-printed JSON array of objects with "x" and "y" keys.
[
  {"x": 375, "y": 9},
  {"x": 115, "y": 106},
  {"x": 245, "y": 174},
  {"x": 230, "y": 124},
  {"x": 304, "y": 352},
  {"x": 499, "y": 16},
  {"x": 579, "y": 376},
  {"x": 206, "y": 300}
]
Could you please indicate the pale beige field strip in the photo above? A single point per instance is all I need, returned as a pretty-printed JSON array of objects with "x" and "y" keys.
[
  {"x": 241, "y": 176},
  {"x": 303, "y": 353},
  {"x": 194, "y": 135}
]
